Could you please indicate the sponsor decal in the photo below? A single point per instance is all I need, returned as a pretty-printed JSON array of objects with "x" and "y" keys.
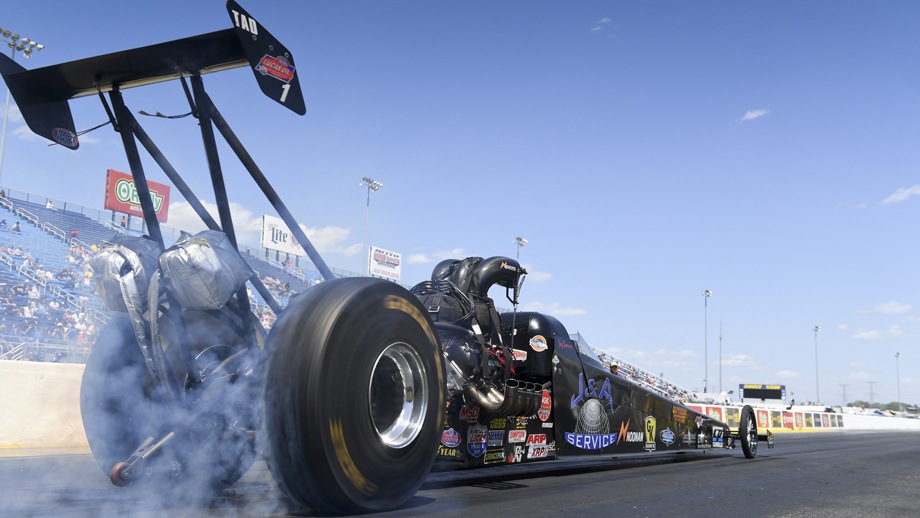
[
  {"x": 788, "y": 420},
  {"x": 518, "y": 454},
  {"x": 65, "y": 137},
  {"x": 717, "y": 441},
  {"x": 538, "y": 343},
  {"x": 470, "y": 414},
  {"x": 591, "y": 390},
  {"x": 626, "y": 435},
  {"x": 763, "y": 419},
  {"x": 497, "y": 424},
  {"x": 565, "y": 344},
  {"x": 476, "y": 440},
  {"x": 651, "y": 425},
  {"x": 667, "y": 437},
  {"x": 453, "y": 453},
  {"x": 518, "y": 355},
  {"x": 714, "y": 412},
  {"x": 536, "y": 438},
  {"x": 278, "y": 67},
  {"x": 679, "y": 414},
  {"x": 450, "y": 438},
  {"x": 121, "y": 195},
  {"x": 507, "y": 266},
  {"x": 244, "y": 22},
  {"x": 537, "y": 452},
  {"x": 495, "y": 438},
  {"x": 383, "y": 258},
  {"x": 590, "y": 441},
  {"x": 546, "y": 406},
  {"x": 517, "y": 436},
  {"x": 547, "y": 425},
  {"x": 521, "y": 422},
  {"x": 494, "y": 457}
]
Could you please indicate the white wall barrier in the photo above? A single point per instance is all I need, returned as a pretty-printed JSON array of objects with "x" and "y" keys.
[
  {"x": 40, "y": 412},
  {"x": 41, "y": 407},
  {"x": 805, "y": 420}
]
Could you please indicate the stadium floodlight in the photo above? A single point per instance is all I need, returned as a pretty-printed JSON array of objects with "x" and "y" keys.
[
  {"x": 817, "y": 389},
  {"x": 897, "y": 371},
  {"x": 372, "y": 185},
  {"x": 706, "y": 295},
  {"x": 26, "y": 46},
  {"x": 520, "y": 242}
]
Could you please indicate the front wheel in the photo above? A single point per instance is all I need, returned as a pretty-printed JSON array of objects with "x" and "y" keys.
[
  {"x": 354, "y": 396},
  {"x": 748, "y": 432}
]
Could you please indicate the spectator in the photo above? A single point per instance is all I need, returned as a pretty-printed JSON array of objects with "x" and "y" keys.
[
  {"x": 16, "y": 229},
  {"x": 124, "y": 222},
  {"x": 614, "y": 369},
  {"x": 49, "y": 204},
  {"x": 3, "y": 225},
  {"x": 74, "y": 233}
]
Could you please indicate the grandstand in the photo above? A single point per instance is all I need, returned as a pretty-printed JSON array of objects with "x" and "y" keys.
[{"x": 49, "y": 310}]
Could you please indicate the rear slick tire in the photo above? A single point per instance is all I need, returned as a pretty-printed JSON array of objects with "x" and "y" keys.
[{"x": 354, "y": 396}]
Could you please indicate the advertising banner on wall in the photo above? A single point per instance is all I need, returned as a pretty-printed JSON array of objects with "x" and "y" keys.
[
  {"x": 384, "y": 263},
  {"x": 277, "y": 236},
  {"x": 121, "y": 195}
]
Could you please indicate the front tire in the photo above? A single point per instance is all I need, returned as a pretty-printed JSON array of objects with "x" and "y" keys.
[
  {"x": 354, "y": 396},
  {"x": 748, "y": 432}
]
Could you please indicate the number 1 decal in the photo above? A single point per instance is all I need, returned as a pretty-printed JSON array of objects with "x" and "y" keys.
[{"x": 284, "y": 91}]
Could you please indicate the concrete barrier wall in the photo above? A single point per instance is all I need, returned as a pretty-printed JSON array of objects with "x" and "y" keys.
[
  {"x": 40, "y": 411},
  {"x": 40, "y": 406},
  {"x": 807, "y": 420}
]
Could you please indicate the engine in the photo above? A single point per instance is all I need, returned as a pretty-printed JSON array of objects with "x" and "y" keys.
[{"x": 489, "y": 362}]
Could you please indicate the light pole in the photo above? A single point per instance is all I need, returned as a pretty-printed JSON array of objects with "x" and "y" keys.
[
  {"x": 372, "y": 185},
  {"x": 720, "y": 357},
  {"x": 520, "y": 242},
  {"x": 706, "y": 295},
  {"x": 26, "y": 46},
  {"x": 897, "y": 371},
  {"x": 817, "y": 390}
]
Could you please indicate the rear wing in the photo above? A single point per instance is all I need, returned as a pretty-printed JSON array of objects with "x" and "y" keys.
[{"x": 42, "y": 93}]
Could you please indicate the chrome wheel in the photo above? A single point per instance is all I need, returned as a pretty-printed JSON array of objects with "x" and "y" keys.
[{"x": 397, "y": 395}]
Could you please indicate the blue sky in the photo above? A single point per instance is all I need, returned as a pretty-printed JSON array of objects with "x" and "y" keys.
[{"x": 648, "y": 151}]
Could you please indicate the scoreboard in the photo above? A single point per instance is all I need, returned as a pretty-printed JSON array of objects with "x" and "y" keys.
[{"x": 751, "y": 391}]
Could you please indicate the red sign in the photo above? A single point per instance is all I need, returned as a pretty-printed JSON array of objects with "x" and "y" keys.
[{"x": 121, "y": 195}]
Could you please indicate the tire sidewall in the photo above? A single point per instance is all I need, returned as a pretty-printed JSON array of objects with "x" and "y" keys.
[{"x": 351, "y": 322}]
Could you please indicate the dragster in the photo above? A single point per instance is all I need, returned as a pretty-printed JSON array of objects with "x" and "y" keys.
[{"x": 361, "y": 385}]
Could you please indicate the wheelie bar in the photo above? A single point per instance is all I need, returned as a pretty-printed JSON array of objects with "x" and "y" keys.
[{"x": 124, "y": 473}]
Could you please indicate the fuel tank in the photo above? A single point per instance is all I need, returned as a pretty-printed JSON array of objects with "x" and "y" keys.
[{"x": 533, "y": 339}]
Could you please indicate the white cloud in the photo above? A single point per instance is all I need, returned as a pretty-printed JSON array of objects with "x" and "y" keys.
[
  {"x": 739, "y": 360},
  {"x": 786, "y": 374},
  {"x": 553, "y": 309},
  {"x": 891, "y": 308},
  {"x": 902, "y": 194},
  {"x": 600, "y": 24},
  {"x": 456, "y": 253},
  {"x": 248, "y": 227},
  {"x": 875, "y": 334},
  {"x": 753, "y": 114},
  {"x": 418, "y": 259},
  {"x": 536, "y": 275}
]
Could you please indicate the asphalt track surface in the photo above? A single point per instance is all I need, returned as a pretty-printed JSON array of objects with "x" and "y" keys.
[{"x": 845, "y": 474}]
